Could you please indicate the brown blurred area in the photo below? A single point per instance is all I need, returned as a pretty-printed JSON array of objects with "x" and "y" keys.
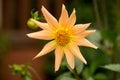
[{"x": 13, "y": 18}]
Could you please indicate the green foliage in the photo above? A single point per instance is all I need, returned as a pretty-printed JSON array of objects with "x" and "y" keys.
[
  {"x": 112, "y": 67},
  {"x": 22, "y": 70},
  {"x": 100, "y": 76},
  {"x": 35, "y": 15},
  {"x": 65, "y": 76}
]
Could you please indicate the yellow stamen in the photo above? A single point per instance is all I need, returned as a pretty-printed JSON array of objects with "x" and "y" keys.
[{"x": 62, "y": 37}]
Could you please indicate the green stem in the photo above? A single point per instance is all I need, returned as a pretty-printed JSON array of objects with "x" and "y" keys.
[
  {"x": 75, "y": 73},
  {"x": 97, "y": 14},
  {"x": 113, "y": 60}
]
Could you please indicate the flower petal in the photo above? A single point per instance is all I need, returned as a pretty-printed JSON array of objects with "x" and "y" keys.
[
  {"x": 87, "y": 32},
  {"x": 75, "y": 50},
  {"x": 50, "y": 19},
  {"x": 40, "y": 24},
  {"x": 44, "y": 34},
  {"x": 80, "y": 28},
  {"x": 70, "y": 58},
  {"x": 83, "y": 34},
  {"x": 85, "y": 42},
  {"x": 64, "y": 16},
  {"x": 58, "y": 58},
  {"x": 46, "y": 49},
  {"x": 72, "y": 19}
]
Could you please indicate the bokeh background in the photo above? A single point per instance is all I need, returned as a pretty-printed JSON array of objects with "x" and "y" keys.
[{"x": 17, "y": 48}]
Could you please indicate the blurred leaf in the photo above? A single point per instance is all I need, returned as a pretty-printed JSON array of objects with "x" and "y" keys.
[
  {"x": 100, "y": 76},
  {"x": 28, "y": 76},
  {"x": 95, "y": 58},
  {"x": 109, "y": 35},
  {"x": 16, "y": 68},
  {"x": 79, "y": 65},
  {"x": 86, "y": 73},
  {"x": 112, "y": 67},
  {"x": 23, "y": 73},
  {"x": 90, "y": 78},
  {"x": 65, "y": 76},
  {"x": 22, "y": 70}
]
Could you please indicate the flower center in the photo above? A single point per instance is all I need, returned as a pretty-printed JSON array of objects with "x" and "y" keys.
[{"x": 62, "y": 37}]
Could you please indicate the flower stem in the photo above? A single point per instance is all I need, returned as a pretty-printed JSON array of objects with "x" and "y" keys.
[
  {"x": 75, "y": 73},
  {"x": 113, "y": 61}
]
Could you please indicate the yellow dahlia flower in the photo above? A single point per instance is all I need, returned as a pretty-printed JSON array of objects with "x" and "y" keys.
[{"x": 64, "y": 36}]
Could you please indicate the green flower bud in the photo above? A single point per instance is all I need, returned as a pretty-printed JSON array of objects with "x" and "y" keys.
[{"x": 31, "y": 24}]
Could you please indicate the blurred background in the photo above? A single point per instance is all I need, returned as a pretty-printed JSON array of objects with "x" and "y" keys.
[{"x": 17, "y": 48}]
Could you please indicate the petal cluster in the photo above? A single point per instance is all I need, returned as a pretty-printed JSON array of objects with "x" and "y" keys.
[{"x": 65, "y": 37}]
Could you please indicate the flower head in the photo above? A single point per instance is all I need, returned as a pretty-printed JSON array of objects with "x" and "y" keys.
[{"x": 64, "y": 36}]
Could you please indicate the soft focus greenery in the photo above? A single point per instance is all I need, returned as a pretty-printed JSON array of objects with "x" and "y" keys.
[{"x": 22, "y": 70}]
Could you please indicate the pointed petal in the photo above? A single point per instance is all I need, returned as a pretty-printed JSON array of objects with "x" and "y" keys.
[
  {"x": 58, "y": 58},
  {"x": 44, "y": 34},
  {"x": 50, "y": 19},
  {"x": 46, "y": 49},
  {"x": 83, "y": 34},
  {"x": 64, "y": 16},
  {"x": 40, "y": 24},
  {"x": 80, "y": 28},
  {"x": 87, "y": 32},
  {"x": 75, "y": 50},
  {"x": 85, "y": 42},
  {"x": 72, "y": 19},
  {"x": 70, "y": 58}
]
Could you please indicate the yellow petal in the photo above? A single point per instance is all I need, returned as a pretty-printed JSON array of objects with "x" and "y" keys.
[
  {"x": 50, "y": 19},
  {"x": 40, "y": 24},
  {"x": 46, "y": 49},
  {"x": 44, "y": 34},
  {"x": 80, "y": 28},
  {"x": 75, "y": 50},
  {"x": 72, "y": 19},
  {"x": 70, "y": 58},
  {"x": 64, "y": 16},
  {"x": 58, "y": 58},
  {"x": 85, "y": 42}
]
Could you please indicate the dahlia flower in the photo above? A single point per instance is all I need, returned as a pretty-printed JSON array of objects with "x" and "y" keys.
[{"x": 65, "y": 37}]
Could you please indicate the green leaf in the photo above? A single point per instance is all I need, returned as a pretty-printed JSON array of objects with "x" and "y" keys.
[
  {"x": 65, "y": 76},
  {"x": 86, "y": 73},
  {"x": 90, "y": 78},
  {"x": 79, "y": 65},
  {"x": 112, "y": 67},
  {"x": 28, "y": 76},
  {"x": 16, "y": 68},
  {"x": 100, "y": 76}
]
